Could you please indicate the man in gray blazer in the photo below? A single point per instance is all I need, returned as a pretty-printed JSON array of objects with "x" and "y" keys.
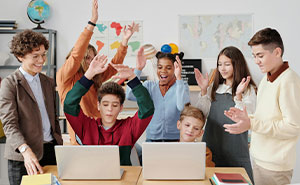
[{"x": 28, "y": 110}]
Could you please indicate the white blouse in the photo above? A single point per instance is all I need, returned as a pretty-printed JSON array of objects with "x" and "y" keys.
[{"x": 248, "y": 99}]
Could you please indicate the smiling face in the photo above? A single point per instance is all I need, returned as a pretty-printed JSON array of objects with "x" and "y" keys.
[
  {"x": 165, "y": 70},
  {"x": 33, "y": 62},
  {"x": 225, "y": 68},
  {"x": 109, "y": 108},
  {"x": 267, "y": 60},
  {"x": 190, "y": 129}
]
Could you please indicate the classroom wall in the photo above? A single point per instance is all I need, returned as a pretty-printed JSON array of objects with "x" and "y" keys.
[{"x": 160, "y": 21}]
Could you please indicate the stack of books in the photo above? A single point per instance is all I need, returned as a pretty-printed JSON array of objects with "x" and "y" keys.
[
  {"x": 8, "y": 24},
  {"x": 229, "y": 178}
]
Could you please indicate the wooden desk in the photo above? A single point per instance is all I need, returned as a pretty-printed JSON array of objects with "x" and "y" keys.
[
  {"x": 209, "y": 172},
  {"x": 129, "y": 177}
]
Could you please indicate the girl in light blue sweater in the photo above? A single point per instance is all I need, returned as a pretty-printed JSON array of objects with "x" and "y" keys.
[{"x": 169, "y": 96}]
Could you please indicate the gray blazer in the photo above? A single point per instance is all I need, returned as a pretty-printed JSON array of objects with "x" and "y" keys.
[{"x": 20, "y": 115}]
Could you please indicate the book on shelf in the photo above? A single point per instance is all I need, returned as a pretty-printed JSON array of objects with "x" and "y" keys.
[
  {"x": 7, "y": 21},
  {"x": 7, "y": 28},
  {"x": 8, "y": 25},
  {"x": 229, "y": 178}
]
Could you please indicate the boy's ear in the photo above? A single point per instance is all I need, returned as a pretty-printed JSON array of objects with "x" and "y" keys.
[
  {"x": 178, "y": 125},
  {"x": 20, "y": 59},
  {"x": 200, "y": 133},
  {"x": 98, "y": 105},
  {"x": 121, "y": 108},
  {"x": 278, "y": 52}
]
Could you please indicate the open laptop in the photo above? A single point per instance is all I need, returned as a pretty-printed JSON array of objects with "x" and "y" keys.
[
  {"x": 88, "y": 162},
  {"x": 178, "y": 160}
]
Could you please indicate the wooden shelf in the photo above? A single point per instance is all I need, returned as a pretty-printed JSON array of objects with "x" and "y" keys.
[{"x": 194, "y": 88}]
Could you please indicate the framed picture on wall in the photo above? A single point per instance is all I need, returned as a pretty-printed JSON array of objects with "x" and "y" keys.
[{"x": 187, "y": 73}]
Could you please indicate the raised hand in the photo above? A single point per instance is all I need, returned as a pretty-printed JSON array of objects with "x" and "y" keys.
[
  {"x": 242, "y": 87},
  {"x": 240, "y": 117},
  {"x": 97, "y": 66},
  {"x": 202, "y": 81},
  {"x": 123, "y": 71},
  {"x": 94, "y": 18},
  {"x": 31, "y": 163},
  {"x": 141, "y": 59},
  {"x": 178, "y": 68},
  {"x": 128, "y": 32}
]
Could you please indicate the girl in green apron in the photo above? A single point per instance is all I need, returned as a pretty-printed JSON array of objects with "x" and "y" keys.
[{"x": 232, "y": 87}]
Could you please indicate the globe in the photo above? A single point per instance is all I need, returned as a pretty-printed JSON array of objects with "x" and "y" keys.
[{"x": 38, "y": 11}]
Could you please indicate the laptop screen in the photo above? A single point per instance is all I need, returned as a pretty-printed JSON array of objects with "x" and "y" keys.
[
  {"x": 88, "y": 162},
  {"x": 174, "y": 160}
]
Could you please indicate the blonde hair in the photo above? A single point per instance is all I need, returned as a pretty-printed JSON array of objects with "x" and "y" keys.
[
  {"x": 83, "y": 65},
  {"x": 191, "y": 111}
]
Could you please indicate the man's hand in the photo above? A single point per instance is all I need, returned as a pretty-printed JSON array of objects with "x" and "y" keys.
[
  {"x": 240, "y": 117},
  {"x": 97, "y": 66},
  {"x": 123, "y": 72},
  {"x": 31, "y": 163}
]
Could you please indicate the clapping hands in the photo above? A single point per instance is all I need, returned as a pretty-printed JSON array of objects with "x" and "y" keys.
[{"x": 202, "y": 81}]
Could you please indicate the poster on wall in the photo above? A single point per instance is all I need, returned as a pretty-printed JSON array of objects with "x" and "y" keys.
[
  {"x": 203, "y": 36},
  {"x": 107, "y": 37}
]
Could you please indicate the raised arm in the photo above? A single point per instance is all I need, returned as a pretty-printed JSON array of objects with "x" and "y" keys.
[
  {"x": 204, "y": 100},
  {"x": 140, "y": 64},
  {"x": 182, "y": 91},
  {"x": 73, "y": 61},
  {"x": 122, "y": 50},
  {"x": 71, "y": 104},
  {"x": 139, "y": 121}
]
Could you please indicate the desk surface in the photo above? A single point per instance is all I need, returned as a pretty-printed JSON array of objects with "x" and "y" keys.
[
  {"x": 129, "y": 177},
  {"x": 209, "y": 172}
]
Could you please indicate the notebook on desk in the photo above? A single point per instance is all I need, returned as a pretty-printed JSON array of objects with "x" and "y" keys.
[
  {"x": 177, "y": 161},
  {"x": 88, "y": 162}
]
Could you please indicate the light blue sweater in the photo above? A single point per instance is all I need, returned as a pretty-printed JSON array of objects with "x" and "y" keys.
[{"x": 167, "y": 108}]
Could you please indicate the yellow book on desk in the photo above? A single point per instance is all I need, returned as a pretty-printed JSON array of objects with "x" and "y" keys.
[{"x": 41, "y": 179}]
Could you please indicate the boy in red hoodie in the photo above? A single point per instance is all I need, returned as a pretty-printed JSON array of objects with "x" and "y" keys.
[{"x": 108, "y": 130}]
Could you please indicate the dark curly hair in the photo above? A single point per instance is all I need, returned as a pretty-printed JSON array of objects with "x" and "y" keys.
[
  {"x": 169, "y": 56},
  {"x": 111, "y": 88},
  {"x": 25, "y": 41}
]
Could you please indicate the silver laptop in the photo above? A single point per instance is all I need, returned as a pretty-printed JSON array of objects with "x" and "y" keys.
[
  {"x": 88, "y": 162},
  {"x": 178, "y": 160}
]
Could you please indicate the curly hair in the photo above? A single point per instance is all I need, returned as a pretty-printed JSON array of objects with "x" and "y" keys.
[
  {"x": 111, "y": 88},
  {"x": 26, "y": 41},
  {"x": 169, "y": 56}
]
